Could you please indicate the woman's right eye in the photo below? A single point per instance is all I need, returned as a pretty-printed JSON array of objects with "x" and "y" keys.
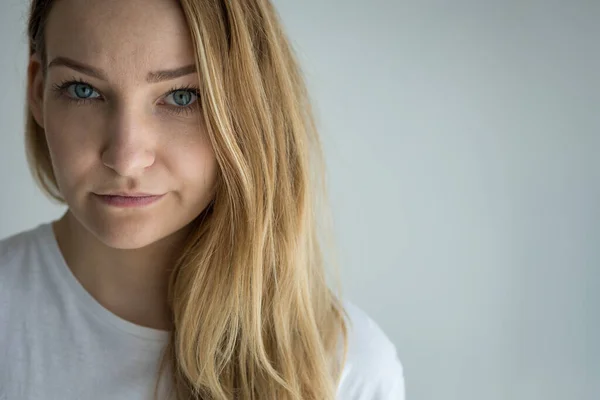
[{"x": 81, "y": 91}]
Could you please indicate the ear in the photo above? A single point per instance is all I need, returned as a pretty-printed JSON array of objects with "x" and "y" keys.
[{"x": 35, "y": 88}]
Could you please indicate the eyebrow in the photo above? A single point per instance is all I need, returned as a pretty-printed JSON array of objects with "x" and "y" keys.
[{"x": 152, "y": 77}]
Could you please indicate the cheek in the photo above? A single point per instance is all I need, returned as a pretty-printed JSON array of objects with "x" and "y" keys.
[
  {"x": 196, "y": 165},
  {"x": 70, "y": 144}
]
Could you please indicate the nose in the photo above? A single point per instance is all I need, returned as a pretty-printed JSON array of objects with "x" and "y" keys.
[{"x": 129, "y": 147}]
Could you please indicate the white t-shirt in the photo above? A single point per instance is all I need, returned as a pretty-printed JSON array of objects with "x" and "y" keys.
[{"x": 58, "y": 342}]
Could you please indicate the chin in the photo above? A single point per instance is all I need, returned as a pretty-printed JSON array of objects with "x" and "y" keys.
[{"x": 128, "y": 233}]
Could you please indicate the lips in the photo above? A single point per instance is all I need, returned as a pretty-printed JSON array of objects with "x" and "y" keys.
[
  {"x": 129, "y": 200},
  {"x": 126, "y": 194}
]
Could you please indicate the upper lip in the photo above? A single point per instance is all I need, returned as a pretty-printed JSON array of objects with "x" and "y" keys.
[{"x": 128, "y": 194}]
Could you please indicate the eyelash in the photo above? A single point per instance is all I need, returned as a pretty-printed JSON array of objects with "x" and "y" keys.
[{"x": 61, "y": 90}]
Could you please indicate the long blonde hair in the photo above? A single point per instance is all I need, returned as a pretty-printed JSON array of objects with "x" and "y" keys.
[{"x": 253, "y": 315}]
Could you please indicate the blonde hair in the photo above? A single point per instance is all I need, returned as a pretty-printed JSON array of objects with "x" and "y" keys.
[{"x": 252, "y": 313}]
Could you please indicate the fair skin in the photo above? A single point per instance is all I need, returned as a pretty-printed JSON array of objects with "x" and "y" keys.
[{"x": 116, "y": 126}]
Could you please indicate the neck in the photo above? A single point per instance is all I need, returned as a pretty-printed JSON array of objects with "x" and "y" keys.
[{"x": 131, "y": 283}]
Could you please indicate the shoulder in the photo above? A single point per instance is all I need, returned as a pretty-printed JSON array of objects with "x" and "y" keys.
[
  {"x": 10, "y": 246},
  {"x": 372, "y": 370},
  {"x": 15, "y": 249}
]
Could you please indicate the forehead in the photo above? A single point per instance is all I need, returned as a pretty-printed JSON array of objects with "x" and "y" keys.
[{"x": 123, "y": 37}]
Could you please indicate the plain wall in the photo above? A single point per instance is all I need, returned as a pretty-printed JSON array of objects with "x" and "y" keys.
[{"x": 463, "y": 142}]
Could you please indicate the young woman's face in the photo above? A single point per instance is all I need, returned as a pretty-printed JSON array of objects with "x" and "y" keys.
[{"x": 120, "y": 110}]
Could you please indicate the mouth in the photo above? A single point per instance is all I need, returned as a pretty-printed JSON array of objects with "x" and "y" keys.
[{"x": 128, "y": 201}]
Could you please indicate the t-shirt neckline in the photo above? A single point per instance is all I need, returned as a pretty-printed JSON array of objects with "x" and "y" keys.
[{"x": 87, "y": 300}]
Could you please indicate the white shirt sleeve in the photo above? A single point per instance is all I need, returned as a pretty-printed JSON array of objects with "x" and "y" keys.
[{"x": 372, "y": 370}]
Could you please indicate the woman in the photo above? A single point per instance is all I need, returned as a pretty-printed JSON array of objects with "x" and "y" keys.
[{"x": 187, "y": 266}]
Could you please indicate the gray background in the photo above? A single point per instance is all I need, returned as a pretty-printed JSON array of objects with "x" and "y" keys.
[{"x": 463, "y": 142}]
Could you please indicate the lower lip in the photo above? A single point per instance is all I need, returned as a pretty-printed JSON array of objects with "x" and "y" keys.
[{"x": 128, "y": 202}]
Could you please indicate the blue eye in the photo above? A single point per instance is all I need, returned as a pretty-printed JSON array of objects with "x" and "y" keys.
[
  {"x": 81, "y": 91},
  {"x": 182, "y": 98}
]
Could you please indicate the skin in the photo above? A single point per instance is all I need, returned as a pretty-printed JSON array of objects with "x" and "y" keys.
[{"x": 128, "y": 135}]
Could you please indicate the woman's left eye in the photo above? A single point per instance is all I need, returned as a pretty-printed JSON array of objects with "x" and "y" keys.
[{"x": 182, "y": 98}]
